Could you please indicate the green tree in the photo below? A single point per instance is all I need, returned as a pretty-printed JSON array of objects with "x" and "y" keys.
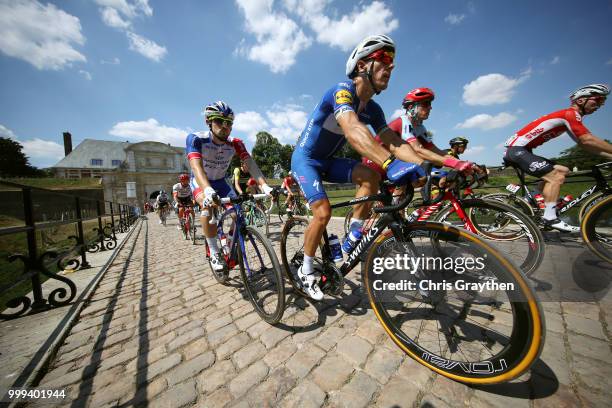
[
  {"x": 13, "y": 162},
  {"x": 267, "y": 152},
  {"x": 575, "y": 156}
]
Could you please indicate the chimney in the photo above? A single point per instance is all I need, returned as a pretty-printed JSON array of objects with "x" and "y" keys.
[{"x": 67, "y": 143}]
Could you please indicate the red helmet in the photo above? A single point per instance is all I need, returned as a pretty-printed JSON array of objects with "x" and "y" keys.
[
  {"x": 418, "y": 95},
  {"x": 183, "y": 178}
]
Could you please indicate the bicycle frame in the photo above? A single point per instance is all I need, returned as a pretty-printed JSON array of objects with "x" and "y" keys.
[
  {"x": 423, "y": 214},
  {"x": 239, "y": 225},
  {"x": 600, "y": 185}
]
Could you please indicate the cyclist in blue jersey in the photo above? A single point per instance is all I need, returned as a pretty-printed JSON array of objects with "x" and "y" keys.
[
  {"x": 210, "y": 154},
  {"x": 341, "y": 115}
]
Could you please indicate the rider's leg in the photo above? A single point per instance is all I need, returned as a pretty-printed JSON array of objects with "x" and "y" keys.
[
  {"x": 368, "y": 181},
  {"x": 552, "y": 186}
]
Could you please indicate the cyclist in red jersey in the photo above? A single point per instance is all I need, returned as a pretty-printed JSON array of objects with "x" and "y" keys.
[
  {"x": 519, "y": 147},
  {"x": 287, "y": 183},
  {"x": 417, "y": 105}
]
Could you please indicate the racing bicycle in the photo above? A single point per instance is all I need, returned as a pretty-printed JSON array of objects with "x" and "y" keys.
[
  {"x": 430, "y": 306},
  {"x": 187, "y": 223},
  {"x": 520, "y": 196},
  {"x": 245, "y": 246}
]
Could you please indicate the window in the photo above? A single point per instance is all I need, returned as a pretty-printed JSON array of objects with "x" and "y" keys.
[
  {"x": 96, "y": 162},
  {"x": 116, "y": 162}
]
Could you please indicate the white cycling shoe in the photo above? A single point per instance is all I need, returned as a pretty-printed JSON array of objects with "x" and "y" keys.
[
  {"x": 217, "y": 262},
  {"x": 310, "y": 285},
  {"x": 561, "y": 225}
]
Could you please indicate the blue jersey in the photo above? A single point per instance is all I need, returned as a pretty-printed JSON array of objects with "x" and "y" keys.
[{"x": 323, "y": 136}]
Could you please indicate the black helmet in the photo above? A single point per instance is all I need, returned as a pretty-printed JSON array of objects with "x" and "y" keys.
[{"x": 458, "y": 141}]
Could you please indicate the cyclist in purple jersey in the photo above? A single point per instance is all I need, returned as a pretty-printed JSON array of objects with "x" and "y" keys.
[{"x": 340, "y": 116}]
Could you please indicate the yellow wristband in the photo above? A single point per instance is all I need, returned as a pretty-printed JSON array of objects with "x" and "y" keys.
[{"x": 387, "y": 162}]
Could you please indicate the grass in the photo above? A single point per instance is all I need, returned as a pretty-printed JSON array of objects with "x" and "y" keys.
[{"x": 55, "y": 238}]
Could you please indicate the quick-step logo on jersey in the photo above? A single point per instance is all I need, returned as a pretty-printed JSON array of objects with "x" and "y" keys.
[{"x": 343, "y": 96}]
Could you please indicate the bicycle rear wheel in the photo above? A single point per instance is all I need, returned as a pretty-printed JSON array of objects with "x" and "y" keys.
[
  {"x": 476, "y": 336},
  {"x": 596, "y": 229},
  {"x": 515, "y": 233},
  {"x": 262, "y": 276},
  {"x": 255, "y": 216}
]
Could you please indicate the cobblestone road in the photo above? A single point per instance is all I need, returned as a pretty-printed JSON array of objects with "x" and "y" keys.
[{"x": 159, "y": 330}]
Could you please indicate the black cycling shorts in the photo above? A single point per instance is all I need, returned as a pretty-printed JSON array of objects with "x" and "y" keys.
[
  {"x": 184, "y": 201},
  {"x": 528, "y": 162}
]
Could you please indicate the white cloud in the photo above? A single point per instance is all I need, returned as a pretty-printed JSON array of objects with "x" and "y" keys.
[
  {"x": 283, "y": 121},
  {"x": 492, "y": 89},
  {"x": 287, "y": 122},
  {"x": 555, "y": 60},
  {"x": 473, "y": 151},
  {"x": 146, "y": 47},
  {"x": 114, "y": 61},
  {"x": 42, "y": 35},
  {"x": 42, "y": 153},
  {"x": 85, "y": 74},
  {"x": 249, "y": 122},
  {"x": 375, "y": 18},
  {"x": 7, "y": 133},
  {"x": 120, "y": 14},
  {"x": 278, "y": 38},
  {"x": 454, "y": 19},
  {"x": 487, "y": 122},
  {"x": 111, "y": 18},
  {"x": 150, "y": 130}
]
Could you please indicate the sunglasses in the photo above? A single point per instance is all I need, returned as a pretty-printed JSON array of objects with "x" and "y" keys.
[
  {"x": 386, "y": 57},
  {"x": 222, "y": 121}
]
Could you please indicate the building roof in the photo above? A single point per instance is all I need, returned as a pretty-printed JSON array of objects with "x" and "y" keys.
[
  {"x": 107, "y": 151},
  {"x": 89, "y": 149}
]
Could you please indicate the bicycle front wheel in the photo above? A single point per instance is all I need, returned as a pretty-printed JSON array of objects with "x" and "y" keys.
[
  {"x": 596, "y": 229},
  {"x": 514, "y": 232},
  {"x": 590, "y": 202},
  {"x": 193, "y": 228},
  {"x": 459, "y": 308},
  {"x": 262, "y": 276}
]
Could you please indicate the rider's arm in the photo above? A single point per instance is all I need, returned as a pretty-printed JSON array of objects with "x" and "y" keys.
[
  {"x": 199, "y": 173},
  {"x": 433, "y": 154},
  {"x": 594, "y": 144},
  {"x": 360, "y": 137},
  {"x": 400, "y": 149},
  {"x": 237, "y": 181},
  {"x": 255, "y": 171}
]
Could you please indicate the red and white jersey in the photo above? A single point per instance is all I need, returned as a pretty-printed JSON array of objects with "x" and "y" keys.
[
  {"x": 548, "y": 127},
  {"x": 411, "y": 133},
  {"x": 181, "y": 191},
  {"x": 215, "y": 158}
]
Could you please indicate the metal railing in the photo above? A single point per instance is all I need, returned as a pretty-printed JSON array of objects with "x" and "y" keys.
[{"x": 43, "y": 216}]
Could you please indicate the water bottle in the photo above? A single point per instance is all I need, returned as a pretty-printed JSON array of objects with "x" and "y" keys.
[
  {"x": 540, "y": 200},
  {"x": 564, "y": 201},
  {"x": 224, "y": 245},
  {"x": 351, "y": 240},
  {"x": 334, "y": 246}
]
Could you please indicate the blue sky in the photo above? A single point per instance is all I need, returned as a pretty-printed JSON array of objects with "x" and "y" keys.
[{"x": 143, "y": 69}]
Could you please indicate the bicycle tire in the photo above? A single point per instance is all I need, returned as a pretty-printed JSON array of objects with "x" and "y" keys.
[
  {"x": 513, "y": 200},
  {"x": 516, "y": 351},
  {"x": 527, "y": 229},
  {"x": 590, "y": 202},
  {"x": 185, "y": 226},
  {"x": 600, "y": 212},
  {"x": 251, "y": 278},
  {"x": 292, "y": 256}
]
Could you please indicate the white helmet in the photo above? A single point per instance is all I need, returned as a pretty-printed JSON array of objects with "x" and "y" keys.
[
  {"x": 590, "y": 90},
  {"x": 366, "y": 47}
]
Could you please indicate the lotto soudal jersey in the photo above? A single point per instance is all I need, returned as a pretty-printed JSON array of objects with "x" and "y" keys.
[
  {"x": 182, "y": 191},
  {"x": 410, "y": 133},
  {"x": 548, "y": 127},
  {"x": 323, "y": 136},
  {"x": 215, "y": 158}
]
